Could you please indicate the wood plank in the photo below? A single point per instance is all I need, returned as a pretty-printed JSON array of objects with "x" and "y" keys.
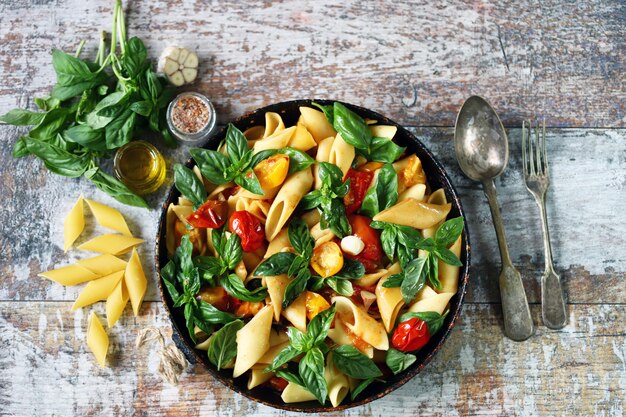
[
  {"x": 588, "y": 185},
  {"x": 414, "y": 62},
  {"x": 580, "y": 370}
]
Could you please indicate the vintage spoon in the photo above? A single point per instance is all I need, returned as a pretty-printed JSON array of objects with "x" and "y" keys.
[{"x": 482, "y": 150}]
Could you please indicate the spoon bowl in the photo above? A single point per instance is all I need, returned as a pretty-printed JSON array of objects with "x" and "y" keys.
[{"x": 480, "y": 140}]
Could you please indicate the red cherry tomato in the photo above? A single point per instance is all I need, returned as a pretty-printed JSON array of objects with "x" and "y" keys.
[
  {"x": 372, "y": 254},
  {"x": 359, "y": 183},
  {"x": 278, "y": 384},
  {"x": 210, "y": 215},
  {"x": 410, "y": 335},
  {"x": 248, "y": 228}
]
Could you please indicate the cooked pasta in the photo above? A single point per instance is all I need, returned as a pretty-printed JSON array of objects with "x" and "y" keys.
[{"x": 305, "y": 267}]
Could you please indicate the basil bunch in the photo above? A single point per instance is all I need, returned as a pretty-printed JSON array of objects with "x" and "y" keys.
[
  {"x": 182, "y": 280},
  {"x": 215, "y": 270},
  {"x": 329, "y": 200},
  {"x": 398, "y": 361},
  {"x": 417, "y": 271},
  {"x": 91, "y": 113},
  {"x": 356, "y": 132},
  {"x": 296, "y": 266}
]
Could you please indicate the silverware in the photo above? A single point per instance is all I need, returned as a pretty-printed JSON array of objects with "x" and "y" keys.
[
  {"x": 535, "y": 163},
  {"x": 482, "y": 150}
]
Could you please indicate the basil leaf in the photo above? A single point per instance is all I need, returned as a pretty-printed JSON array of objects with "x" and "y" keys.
[
  {"x": 310, "y": 200},
  {"x": 295, "y": 287},
  {"x": 351, "y": 127},
  {"x": 168, "y": 275},
  {"x": 316, "y": 283},
  {"x": 298, "y": 160},
  {"x": 311, "y": 369},
  {"x": 87, "y": 137},
  {"x": 236, "y": 288},
  {"x": 58, "y": 160},
  {"x": 114, "y": 188},
  {"x": 190, "y": 321},
  {"x": 51, "y": 124},
  {"x": 298, "y": 340},
  {"x": 182, "y": 255},
  {"x": 250, "y": 182},
  {"x": 218, "y": 238},
  {"x": 351, "y": 269},
  {"x": 19, "y": 117},
  {"x": 414, "y": 279},
  {"x": 297, "y": 265},
  {"x": 449, "y": 232},
  {"x": 209, "y": 314},
  {"x": 427, "y": 244},
  {"x": 189, "y": 185},
  {"x": 359, "y": 388},
  {"x": 222, "y": 348},
  {"x": 433, "y": 271},
  {"x": 353, "y": 363},
  {"x": 232, "y": 251},
  {"x": 134, "y": 60},
  {"x": 120, "y": 131},
  {"x": 262, "y": 155},
  {"x": 143, "y": 107},
  {"x": 384, "y": 150},
  {"x": 282, "y": 358},
  {"x": 236, "y": 143},
  {"x": 300, "y": 238},
  {"x": 277, "y": 264},
  {"x": 317, "y": 329},
  {"x": 433, "y": 320},
  {"x": 398, "y": 361},
  {"x": 290, "y": 377},
  {"x": 329, "y": 112},
  {"x": 107, "y": 109},
  {"x": 394, "y": 281},
  {"x": 340, "y": 286},
  {"x": 383, "y": 194},
  {"x": 447, "y": 256},
  {"x": 212, "y": 164},
  {"x": 20, "y": 149},
  {"x": 46, "y": 103},
  {"x": 334, "y": 215},
  {"x": 330, "y": 174},
  {"x": 388, "y": 241}
]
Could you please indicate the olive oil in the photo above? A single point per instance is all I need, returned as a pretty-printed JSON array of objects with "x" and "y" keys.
[{"x": 140, "y": 166}]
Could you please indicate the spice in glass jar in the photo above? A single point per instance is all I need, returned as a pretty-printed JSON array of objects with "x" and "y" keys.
[{"x": 191, "y": 117}]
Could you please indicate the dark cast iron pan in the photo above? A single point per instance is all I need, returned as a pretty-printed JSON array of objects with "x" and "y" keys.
[{"x": 437, "y": 178}]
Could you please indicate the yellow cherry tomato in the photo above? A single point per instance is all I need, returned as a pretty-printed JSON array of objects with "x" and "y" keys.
[
  {"x": 327, "y": 259},
  {"x": 315, "y": 304},
  {"x": 272, "y": 171}
]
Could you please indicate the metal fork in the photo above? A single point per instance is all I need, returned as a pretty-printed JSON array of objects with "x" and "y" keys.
[{"x": 535, "y": 163}]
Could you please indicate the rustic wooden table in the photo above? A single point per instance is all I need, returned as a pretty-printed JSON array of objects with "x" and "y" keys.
[{"x": 415, "y": 63}]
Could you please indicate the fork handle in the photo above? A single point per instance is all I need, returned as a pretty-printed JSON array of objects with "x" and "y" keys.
[
  {"x": 552, "y": 301},
  {"x": 518, "y": 323}
]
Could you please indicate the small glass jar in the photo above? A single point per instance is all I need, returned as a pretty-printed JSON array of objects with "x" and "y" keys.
[
  {"x": 191, "y": 117},
  {"x": 140, "y": 166}
]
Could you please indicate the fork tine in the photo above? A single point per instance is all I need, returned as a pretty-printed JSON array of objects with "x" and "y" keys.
[
  {"x": 531, "y": 164},
  {"x": 524, "y": 162},
  {"x": 545, "y": 146},
  {"x": 538, "y": 149}
]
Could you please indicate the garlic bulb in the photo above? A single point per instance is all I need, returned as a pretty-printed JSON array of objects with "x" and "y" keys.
[{"x": 180, "y": 65}]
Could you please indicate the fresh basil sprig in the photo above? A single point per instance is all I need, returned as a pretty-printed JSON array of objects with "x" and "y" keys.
[
  {"x": 329, "y": 200},
  {"x": 235, "y": 287},
  {"x": 399, "y": 361},
  {"x": 182, "y": 280},
  {"x": 296, "y": 266},
  {"x": 340, "y": 281},
  {"x": 411, "y": 280},
  {"x": 189, "y": 185},
  {"x": 311, "y": 344},
  {"x": 397, "y": 240},
  {"x": 356, "y": 132},
  {"x": 222, "y": 347},
  {"x": 383, "y": 194}
]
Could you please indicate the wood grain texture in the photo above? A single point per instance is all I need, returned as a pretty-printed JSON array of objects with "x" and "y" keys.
[
  {"x": 477, "y": 372},
  {"x": 588, "y": 173},
  {"x": 414, "y": 61}
]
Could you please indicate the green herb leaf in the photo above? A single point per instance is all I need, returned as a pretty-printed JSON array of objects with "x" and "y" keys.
[
  {"x": 383, "y": 150},
  {"x": 276, "y": 264},
  {"x": 449, "y": 232},
  {"x": 362, "y": 385},
  {"x": 351, "y": 126},
  {"x": 296, "y": 286},
  {"x": 448, "y": 257},
  {"x": 250, "y": 182},
  {"x": 87, "y": 137},
  {"x": 212, "y": 164},
  {"x": 232, "y": 252},
  {"x": 300, "y": 238},
  {"x": 340, "y": 286},
  {"x": 414, "y": 279},
  {"x": 394, "y": 281},
  {"x": 282, "y": 358},
  {"x": 300, "y": 341},
  {"x": 236, "y": 288},
  {"x": 298, "y": 160},
  {"x": 334, "y": 215},
  {"x": 58, "y": 160},
  {"x": 236, "y": 143},
  {"x": 330, "y": 174},
  {"x": 168, "y": 275},
  {"x": 19, "y": 117},
  {"x": 222, "y": 348},
  {"x": 209, "y": 314},
  {"x": 190, "y": 321},
  {"x": 262, "y": 155},
  {"x": 120, "y": 131},
  {"x": 318, "y": 327},
  {"x": 351, "y": 269},
  {"x": 20, "y": 149},
  {"x": 290, "y": 377},
  {"x": 143, "y": 107},
  {"x": 311, "y": 200},
  {"x": 182, "y": 256},
  {"x": 433, "y": 320},
  {"x": 189, "y": 185},
  {"x": 398, "y": 361},
  {"x": 433, "y": 271},
  {"x": 353, "y": 363},
  {"x": 329, "y": 112},
  {"x": 311, "y": 370},
  {"x": 115, "y": 188},
  {"x": 383, "y": 194}
]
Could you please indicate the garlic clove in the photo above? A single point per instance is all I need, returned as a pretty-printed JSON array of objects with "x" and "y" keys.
[{"x": 352, "y": 245}]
